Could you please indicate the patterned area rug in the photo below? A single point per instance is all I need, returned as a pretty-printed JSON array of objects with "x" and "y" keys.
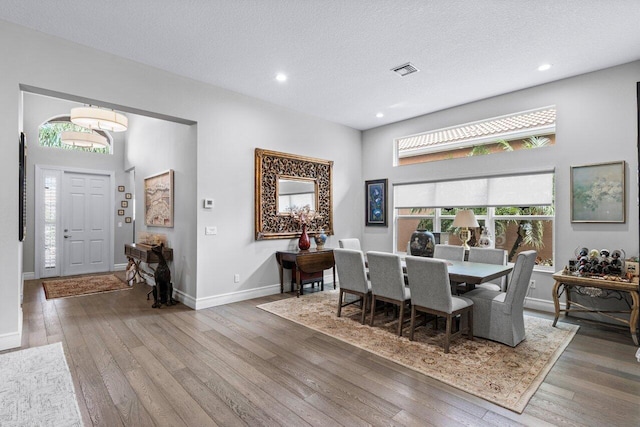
[
  {"x": 75, "y": 286},
  {"x": 36, "y": 388},
  {"x": 495, "y": 372}
]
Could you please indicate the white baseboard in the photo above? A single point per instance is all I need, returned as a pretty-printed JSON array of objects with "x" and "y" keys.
[
  {"x": 28, "y": 275},
  {"x": 12, "y": 339},
  {"x": 228, "y": 298},
  {"x": 541, "y": 304}
]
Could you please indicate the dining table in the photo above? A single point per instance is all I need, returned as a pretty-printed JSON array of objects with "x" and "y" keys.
[{"x": 473, "y": 273}]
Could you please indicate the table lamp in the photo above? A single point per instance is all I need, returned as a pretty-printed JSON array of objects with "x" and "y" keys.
[{"x": 464, "y": 220}]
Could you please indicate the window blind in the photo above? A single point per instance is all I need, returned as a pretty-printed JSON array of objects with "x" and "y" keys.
[{"x": 534, "y": 189}]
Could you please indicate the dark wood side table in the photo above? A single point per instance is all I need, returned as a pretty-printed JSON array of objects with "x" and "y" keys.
[
  {"x": 309, "y": 261},
  {"x": 137, "y": 253},
  {"x": 597, "y": 287}
]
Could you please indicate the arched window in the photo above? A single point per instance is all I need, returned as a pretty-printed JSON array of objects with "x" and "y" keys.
[{"x": 49, "y": 135}]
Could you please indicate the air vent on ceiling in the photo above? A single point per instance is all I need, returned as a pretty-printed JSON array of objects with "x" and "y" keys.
[{"x": 405, "y": 69}]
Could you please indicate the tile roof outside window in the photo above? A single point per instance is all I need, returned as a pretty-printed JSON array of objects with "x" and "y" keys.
[{"x": 504, "y": 127}]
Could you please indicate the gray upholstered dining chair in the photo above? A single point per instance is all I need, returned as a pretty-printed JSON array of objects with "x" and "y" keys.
[
  {"x": 352, "y": 277},
  {"x": 431, "y": 293},
  {"x": 351, "y": 243},
  {"x": 499, "y": 316},
  {"x": 489, "y": 256},
  {"x": 449, "y": 252},
  {"x": 387, "y": 283}
]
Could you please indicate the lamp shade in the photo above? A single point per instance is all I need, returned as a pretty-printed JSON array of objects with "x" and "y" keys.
[
  {"x": 98, "y": 118},
  {"x": 84, "y": 139},
  {"x": 465, "y": 218}
]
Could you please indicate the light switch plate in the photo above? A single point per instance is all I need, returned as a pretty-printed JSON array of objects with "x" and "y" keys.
[{"x": 210, "y": 230}]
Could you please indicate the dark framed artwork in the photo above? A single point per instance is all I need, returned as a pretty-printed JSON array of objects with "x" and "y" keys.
[
  {"x": 127, "y": 219},
  {"x": 120, "y": 212},
  {"x": 22, "y": 187},
  {"x": 598, "y": 192},
  {"x": 127, "y": 195},
  {"x": 376, "y": 202},
  {"x": 124, "y": 204},
  {"x": 121, "y": 188}
]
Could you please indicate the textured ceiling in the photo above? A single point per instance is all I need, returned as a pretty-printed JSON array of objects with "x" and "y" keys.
[{"x": 338, "y": 53}]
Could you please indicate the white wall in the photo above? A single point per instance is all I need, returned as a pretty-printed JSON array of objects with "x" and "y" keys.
[
  {"x": 155, "y": 146},
  {"x": 596, "y": 122},
  {"x": 37, "y": 110},
  {"x": 229, "y": 127}
]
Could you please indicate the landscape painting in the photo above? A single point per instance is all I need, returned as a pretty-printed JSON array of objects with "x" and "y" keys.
[{"x": 158, "y": 200}]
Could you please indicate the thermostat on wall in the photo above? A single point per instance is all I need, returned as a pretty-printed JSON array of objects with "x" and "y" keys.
[{"x": 208, "y": 203}]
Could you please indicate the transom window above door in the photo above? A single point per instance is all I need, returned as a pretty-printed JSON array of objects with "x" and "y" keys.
[{"x": 50, "y": 134}]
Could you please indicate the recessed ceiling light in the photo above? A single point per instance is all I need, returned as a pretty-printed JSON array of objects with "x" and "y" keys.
[
  {"x": 281, "y": 77},
  {"x": 544, "y": 67},
  {"x": 379, "y": 115}
]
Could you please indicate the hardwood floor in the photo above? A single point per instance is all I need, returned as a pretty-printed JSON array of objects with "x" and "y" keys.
[{"x": 238, "y": 365}]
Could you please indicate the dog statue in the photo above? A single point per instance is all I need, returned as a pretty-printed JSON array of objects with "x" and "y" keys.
[{"x": 163, "y": 290}]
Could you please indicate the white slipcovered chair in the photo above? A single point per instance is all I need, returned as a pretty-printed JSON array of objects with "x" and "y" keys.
[
  {"x": 499, "y": 316},
  {"x": 431, "y": 293},
  {"x": 449, "y": 252},
  {"x": 351, "y": 243},
  {"x": 489, "y": 256},
  {"x": 352, "y": 278}
]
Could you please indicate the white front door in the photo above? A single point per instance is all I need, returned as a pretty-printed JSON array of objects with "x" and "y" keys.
[{"x": 85, "y": 222}]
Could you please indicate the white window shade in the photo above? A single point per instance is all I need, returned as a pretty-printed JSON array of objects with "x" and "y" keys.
[{"x": 515, "y": 190}]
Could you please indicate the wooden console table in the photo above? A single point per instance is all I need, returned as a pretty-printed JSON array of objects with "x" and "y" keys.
[
  {"x": 137, "y": 253},
  {"x": 309, "y": 261},
  {"x": 595, "y": 287}
]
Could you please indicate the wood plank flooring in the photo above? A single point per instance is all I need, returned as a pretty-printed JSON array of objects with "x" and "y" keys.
[{"x": 235, "y": 365}]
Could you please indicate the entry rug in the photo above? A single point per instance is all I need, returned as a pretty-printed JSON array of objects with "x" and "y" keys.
[
  {"x": 503, "y": 375},
  {"x": 36, "y": 389},
  {"x": 75, "y": 286}
]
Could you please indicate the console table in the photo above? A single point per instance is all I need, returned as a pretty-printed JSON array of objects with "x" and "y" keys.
[
  {"x": 310, "y": 261},
  {"x": 138, "y": 252},
  {"x": 596, "y": 287}
]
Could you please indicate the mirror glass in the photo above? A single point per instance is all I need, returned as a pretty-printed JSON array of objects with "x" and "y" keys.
[{"x": 295, "y": 193}]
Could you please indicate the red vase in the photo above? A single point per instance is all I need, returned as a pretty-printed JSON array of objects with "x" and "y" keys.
[{"x": 304, "y": 243}]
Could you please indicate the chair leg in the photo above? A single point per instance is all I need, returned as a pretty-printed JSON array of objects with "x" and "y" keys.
[
  {"x": 364, "y": 308},
  {"x": 340, "y": 302},
  {"x": 401, "y": 318},
  {"x": 447, "y": 335},
  {"x": 413, "y": 322},
  {"x": 373, "y": 309}
]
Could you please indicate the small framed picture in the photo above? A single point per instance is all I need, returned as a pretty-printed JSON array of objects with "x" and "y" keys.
[
  {"x": 127, "y": 195},
  {"x": 124, "y": 204},
  {"x": 121, "y": 188},
  {"x": 127, "y": 219},
  {"x": 120, "y": 212}
]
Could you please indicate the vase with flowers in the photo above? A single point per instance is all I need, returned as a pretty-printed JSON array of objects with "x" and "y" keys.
[{"x": 304, "y": 216}]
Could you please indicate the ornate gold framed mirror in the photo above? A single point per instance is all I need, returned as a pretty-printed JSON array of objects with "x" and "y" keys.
[{"x": 284, "y": 181}]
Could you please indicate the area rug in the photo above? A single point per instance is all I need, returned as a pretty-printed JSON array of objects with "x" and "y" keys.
[
  {"x": 76, "y": 286},
  {"x": 36, "y": 388},
  {"x": 495, "y": 372}
]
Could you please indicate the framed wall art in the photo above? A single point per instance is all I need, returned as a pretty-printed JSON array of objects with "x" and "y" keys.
[
  {"x": 120, "y": 212},
  {"x": 158, "y": 200},
  {"x": 127, "y": 195},
  {"x": 124, "y": 204},
  {"x": 376, "y": 202},
  {"x": 598, "y": 193},
  {"x": 127, "y": 219},
  {"x": 121, "y": 188}
]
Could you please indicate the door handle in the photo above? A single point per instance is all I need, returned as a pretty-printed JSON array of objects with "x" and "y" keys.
[{"x": 66, "y": 236}]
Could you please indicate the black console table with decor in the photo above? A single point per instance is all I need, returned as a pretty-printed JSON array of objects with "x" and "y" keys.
[{"x": 138, "y": 252}]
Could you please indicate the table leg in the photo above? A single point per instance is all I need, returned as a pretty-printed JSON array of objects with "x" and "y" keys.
[
  {"x": 298, "y": 285},
  {"x": 556, "y": 302},
  {"x": 633, "y": 319},
  {"x": 334, "y": 276},
  {"x": 280, "y": 270}
]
